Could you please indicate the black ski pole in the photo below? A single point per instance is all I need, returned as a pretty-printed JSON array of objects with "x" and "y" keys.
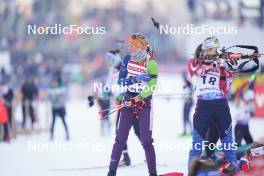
[{"x": 156, "y": 27}]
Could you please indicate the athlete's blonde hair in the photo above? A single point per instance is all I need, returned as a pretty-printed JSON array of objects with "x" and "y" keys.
[{"x": 138, "y": 40}]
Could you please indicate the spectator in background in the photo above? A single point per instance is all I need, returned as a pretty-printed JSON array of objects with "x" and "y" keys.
[
  {"x": 192, "y": 8},
  {"x": 188, "y": 103},
  {"x": 4, "y": 115},
  {"x": 245, "y": 110},
  {"x": 262, "y": 13},
  {"x": 8, "y": 97},
  {"x": 241, "y": 5},
  {"x": 29, "y": 93},
  {"x": 57, "y": 96},
  {"x": 262, "y": 69}
]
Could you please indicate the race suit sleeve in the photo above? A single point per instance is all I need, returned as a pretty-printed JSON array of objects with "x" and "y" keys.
[
  {"x": 198, "y": 70},
  {"x": 122, "y": 80},
  {"x": 248, "y": 65},
  {"x": 152, "y": 70}
]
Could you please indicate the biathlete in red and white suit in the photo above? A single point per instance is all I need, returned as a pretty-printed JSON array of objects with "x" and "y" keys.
[{"x": 211, "y": 78}]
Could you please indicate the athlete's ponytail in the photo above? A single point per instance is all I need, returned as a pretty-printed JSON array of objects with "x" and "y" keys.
[{"x": 198, "y": 53}]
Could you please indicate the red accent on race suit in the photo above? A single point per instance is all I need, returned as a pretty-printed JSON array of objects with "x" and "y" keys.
[
  {"x": 135, "y": 68},
  {"x": 198, "y": 70},
  {"x": 195, "y": 69},
  {"x": 3, "y": 113},
  {"x": 222, "y": 82},
  {"x": 256, "y": 167}
]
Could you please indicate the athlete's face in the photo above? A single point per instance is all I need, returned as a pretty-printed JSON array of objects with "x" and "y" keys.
[
  {"x": 210, "y": 52},
  {"x": 133, "y": 50}
]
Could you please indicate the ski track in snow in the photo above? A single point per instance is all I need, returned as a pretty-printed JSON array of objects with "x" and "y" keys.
[{"x": 18, "y": 159}]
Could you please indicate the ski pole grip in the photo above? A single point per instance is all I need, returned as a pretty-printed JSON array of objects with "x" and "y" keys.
[{"x": 142, "y": 105}]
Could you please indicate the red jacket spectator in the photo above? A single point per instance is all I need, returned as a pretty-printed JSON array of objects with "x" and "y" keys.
[{"x": 3, "y": 113}]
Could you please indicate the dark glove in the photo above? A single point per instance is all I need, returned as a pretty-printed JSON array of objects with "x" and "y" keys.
[
  {"x": 90, "y": 100},
  {"x": 137, "y": 103},
  {"x": 233, "y": 64}
]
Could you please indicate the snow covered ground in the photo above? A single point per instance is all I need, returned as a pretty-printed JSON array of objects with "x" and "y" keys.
[{"x": 88, "y": 149}]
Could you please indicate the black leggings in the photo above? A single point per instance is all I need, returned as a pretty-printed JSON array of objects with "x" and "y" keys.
[
  {"x": 61, "y": 113},
  {"x": 186, "y": 114},
  {"x": 104, "y": 104},
  {"x": 28, "y": 108},
  {"x": 10, "y": 115},
  {"x": 242, "y": 132},
  {"x": 212, "y": 137},
  {"x": 105, "y": 123},
  {"x": 6, "y": 130}
]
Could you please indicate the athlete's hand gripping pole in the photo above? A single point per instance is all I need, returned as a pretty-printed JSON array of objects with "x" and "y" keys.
[{"x": 136, "y": 103}]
